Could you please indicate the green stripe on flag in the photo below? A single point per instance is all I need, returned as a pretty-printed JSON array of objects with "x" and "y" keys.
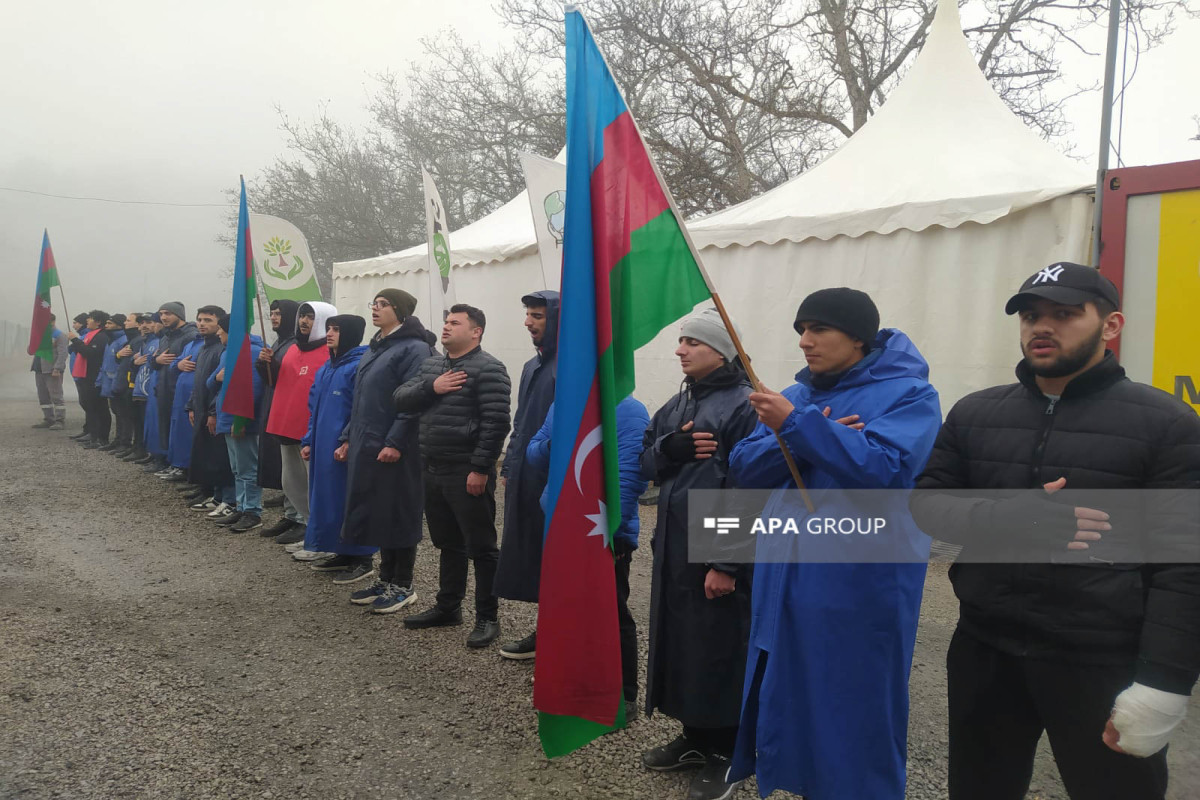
[{"x": 561, "y": 735}]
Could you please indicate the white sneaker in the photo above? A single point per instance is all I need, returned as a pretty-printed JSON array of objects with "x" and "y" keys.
[
  {"x": 310, "y": 555},
  {"x": 294, "y": 547},
  {"x": 222, "y": 510}
]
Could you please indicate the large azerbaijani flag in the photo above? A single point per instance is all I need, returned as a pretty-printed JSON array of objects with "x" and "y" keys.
[
  {"x": 237, "y": 390},
  {"x": 628, "y": 272},
  {"x": 41, "y": 329}
]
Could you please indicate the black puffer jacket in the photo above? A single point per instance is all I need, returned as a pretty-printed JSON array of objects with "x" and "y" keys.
[
  {"x": 466, "y": 426},
  {"x": 1105, "y": 432}
]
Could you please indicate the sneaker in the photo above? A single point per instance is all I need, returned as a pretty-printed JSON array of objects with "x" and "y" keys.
[
  {"x": 283, "y": 526},
  {"x": 108, "y": 448},
  {"x": 204, "y": 504},
  {"x": 486, "y": 631},
  {"x": 246, "y": 522},
  {"x": 273, "y": 500},
  {"x": 356, "y": 573},
  {"x": 164, "y": 472},
  {"x": 434, "y": 618},
  {"x": 367, "y": 596},
  {"x": 678, "y": 754},
  {"x": 195, "y": 497},
  {"x": 521, "y": 650},
  {"x": 337, "y": 563},
  {"x": 294, "y": 546},
  {"x": 229, "y": 521},
  {"x": 57, "y": 425},
  {"x": 177, "y": 476},
  {"x": 393, "y": 599},
  {"x": 221, "y": 511},
  {"x": 43, "y": 424},
  {"x": 311, "y": 555},
  {"x": 291, "y": 536},
  {"x": 709, "y": 783}
]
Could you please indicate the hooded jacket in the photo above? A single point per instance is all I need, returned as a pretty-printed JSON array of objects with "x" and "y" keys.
[
  {"x": 203, "y": 402},
  {"x": 289, "y": 402},
  {"x": 225, "y": 419},
  {"x": 518, "y": 574},
  {"x": 1104, "y": 432},
  {"x": 270, "y": 463},
  {"x": 825, "y": 711},
  {"x": 108, "y": 380},
  {"x": 172, "y": 340},
  {"x": 146, "y": 377}
]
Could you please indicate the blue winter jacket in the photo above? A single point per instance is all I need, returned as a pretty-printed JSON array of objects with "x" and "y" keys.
[
  {"x": 107, "y": 379},
  {"x": 225, "y": 420},
  {"x": 825, "y": 707},
  {"x": 146, "y": 376},
  {"x": 632, "y": 420}
]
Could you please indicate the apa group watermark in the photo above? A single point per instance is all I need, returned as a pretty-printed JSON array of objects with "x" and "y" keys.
[{"x": 814, "y": 525}]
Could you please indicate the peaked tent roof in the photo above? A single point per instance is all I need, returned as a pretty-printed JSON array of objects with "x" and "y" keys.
[
  {"x": 506, "y": 232},
  {"x": 943, "y": 150}
]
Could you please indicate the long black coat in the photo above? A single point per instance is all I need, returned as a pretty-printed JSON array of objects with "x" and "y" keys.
[
  {"x": 385, "y": 502},
  {"x": 1104, "y": 433},
  {"x": 210, "y": 458},
  {"x": 697, "y": 646},
  {"x": 270, "y": 461},
  {"x": 519, "y": 573}
]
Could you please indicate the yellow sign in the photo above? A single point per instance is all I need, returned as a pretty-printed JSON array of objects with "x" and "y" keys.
[{"x": 1176, "y": 329}]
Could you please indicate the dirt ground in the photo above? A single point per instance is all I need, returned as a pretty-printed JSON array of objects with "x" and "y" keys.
[{"x": 144, "y": 654}]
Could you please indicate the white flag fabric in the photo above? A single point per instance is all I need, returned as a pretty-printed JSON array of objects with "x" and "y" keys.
[
  {"x": 546, "y": 182},
  {"x": 285, "y": 267},
  {"x": 437, "y": 234}
]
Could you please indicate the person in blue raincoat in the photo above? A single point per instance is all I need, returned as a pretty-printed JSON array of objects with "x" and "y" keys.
[
  {"x": 632, "y": 419},
  {"x": 107, "y": 381},
  {"x": 179, "y": 444},
  {"x": 825, "y": 708},
  {"x": 329, "y": 403},
  {"x": 145, "y": 390}
]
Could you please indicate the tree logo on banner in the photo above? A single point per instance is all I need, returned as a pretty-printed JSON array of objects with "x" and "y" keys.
[
  {"x": 555, "y": 205},
  {"x": 281, "y": 249}
]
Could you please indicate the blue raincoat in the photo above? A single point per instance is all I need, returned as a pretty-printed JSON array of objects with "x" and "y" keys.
[
  {"x": 825, "y": 707},
  {"x": 179, "y": 449},
  {"x": 145, "y": 387},
  {"x": 330, "y": 401},
  {"x": 107, "y": 379}
]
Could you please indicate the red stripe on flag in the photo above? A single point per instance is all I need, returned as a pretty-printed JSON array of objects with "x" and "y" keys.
[
  {"x": 578, "y": 661},
  {"x": 239, "y": 389}
]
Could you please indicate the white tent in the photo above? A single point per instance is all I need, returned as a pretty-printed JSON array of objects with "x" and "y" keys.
[{"x": 938, "y": 207}]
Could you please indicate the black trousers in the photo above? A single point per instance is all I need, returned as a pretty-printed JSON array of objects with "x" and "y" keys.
[
  {"x": 81, "y": 393},
  {"x": 122, "y": 411},
  {"x": 999, "y": 706},
  {"x": 627, "y": 630},
  {"x": 396, "y": 565},
  {"x": 139, "y": 424},
  {"x": 462, "y": 526},
  {"x": 95, "y": 407}
]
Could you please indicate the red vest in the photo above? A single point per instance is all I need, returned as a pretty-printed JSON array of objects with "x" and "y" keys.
[
  {"x": 79, "y": 370},
  {"x": 289, "y": 403}
]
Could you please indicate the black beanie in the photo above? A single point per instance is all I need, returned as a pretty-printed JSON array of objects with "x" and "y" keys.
[
  {"x": 223, "y": 322},
  {"x": 117, "y": 319},
  {"x": 849, "y": 310},
  {"x": 351, "y": 330},
  {"x": 81, "y": 319},
  {"x": 404, "y": 303}
]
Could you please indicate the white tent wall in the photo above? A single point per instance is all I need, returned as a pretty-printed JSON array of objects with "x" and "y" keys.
[{"x": 944, "y": 287}]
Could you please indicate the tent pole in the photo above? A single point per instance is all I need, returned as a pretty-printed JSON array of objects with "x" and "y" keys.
[{"x": 1106, "y": 107}]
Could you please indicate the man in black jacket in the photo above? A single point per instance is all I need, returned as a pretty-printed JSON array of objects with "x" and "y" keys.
[
  {"x": 90, "y": 347},
  {"x": 463, "y": 398},
  {"x": 1099, "y": 654},
  {"x": 176, "y": 334}
]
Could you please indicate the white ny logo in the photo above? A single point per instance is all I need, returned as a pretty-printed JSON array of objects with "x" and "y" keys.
[{"x": 1049, "y": 274}]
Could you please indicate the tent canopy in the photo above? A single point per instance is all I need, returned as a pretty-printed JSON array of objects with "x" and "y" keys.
[{"x": 943, "y": 150}]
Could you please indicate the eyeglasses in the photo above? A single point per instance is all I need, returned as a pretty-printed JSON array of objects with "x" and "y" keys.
[{"x": 381, "y": 304}]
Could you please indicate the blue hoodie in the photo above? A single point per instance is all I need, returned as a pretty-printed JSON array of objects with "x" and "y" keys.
[
  {"x": 107, "y": 379},
  {"x": 826, "y": 714}
]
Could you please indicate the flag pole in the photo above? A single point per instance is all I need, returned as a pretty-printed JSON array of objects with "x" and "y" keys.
[{"x": 687, "y": 236}]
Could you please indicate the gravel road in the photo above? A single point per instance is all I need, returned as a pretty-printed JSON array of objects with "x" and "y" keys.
[{"x": 144, "y": 654}]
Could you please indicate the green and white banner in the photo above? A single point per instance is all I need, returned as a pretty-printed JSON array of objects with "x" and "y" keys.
[
  {"x": 546, "y": 183},
  {"x": 285, "y": 267},
  {"x": 437, "y": 234}
]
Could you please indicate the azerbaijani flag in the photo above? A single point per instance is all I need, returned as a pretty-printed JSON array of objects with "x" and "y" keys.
[
  {"x": 628, "y": 272},
  {"x": 41, "y": 329},
  {"x": 237, "y": 390}
]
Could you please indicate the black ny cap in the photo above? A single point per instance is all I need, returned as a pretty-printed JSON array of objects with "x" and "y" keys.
[{"x": 1066, "y": 283}]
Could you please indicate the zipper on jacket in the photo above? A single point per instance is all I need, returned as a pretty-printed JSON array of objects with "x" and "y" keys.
[{"x": 1035, "y": 482}]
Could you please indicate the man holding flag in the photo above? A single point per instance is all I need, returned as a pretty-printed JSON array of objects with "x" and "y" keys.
[
  {"x": 628, "y": 272},
  {"x": 48, "y": 374}
]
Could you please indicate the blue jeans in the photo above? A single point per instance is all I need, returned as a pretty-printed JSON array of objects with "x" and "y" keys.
[{"x": 243, "y": 461}]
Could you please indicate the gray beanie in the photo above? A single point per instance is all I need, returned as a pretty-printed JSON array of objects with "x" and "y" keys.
[
  {"x": 175, "y": 307},
  {"x": 707, "y": 327}
]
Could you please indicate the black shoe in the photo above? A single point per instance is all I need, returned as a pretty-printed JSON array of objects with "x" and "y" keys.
[
  {"x": 108, "y": 448},
  {"x": 247, "y": 522},
  {"x": 144, "y": 458},
  {"x": 283, "y": 526},
  {"x": 632, "y": 711},
  {"x": 190, "y": 488},
  {"x": 361, "y": 571},
  {"x": 709, "y": 783},
  {"x": 192, "y": 497},
  {"x": 434, "y": 618},
  {"x": 134, "y": 456},
  {"x": 291, "y": 535},
  {"x": 122, "y": 452},
  {"x": 681, "y": 753},
  {"x": 46, "y": 423},
  {"x": 335, "y": 563},
  {"x": 230, "y": 521},
  {"x": 80, "y": 437},
  {"x": 57, "y": 425},
  {"x": 95, "y": 444},
  {"x": 486, "y": 631},
  {"x": 273, "y": 501},
  {"x": 521, "y": 649}
]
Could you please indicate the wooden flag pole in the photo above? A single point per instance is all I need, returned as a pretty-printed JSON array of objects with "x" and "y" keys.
[{"x": 687, "y": 236}]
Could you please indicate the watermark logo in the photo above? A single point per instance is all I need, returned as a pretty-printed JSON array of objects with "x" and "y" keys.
[{"x": 722, "y": 524}]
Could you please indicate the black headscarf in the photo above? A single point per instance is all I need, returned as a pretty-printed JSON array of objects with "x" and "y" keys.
[
  {"x": 287, "y": 318},
  {"x": 351, "y": 329}
]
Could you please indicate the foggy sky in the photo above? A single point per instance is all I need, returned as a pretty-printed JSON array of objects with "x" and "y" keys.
[{"x": 143, "y": 100}]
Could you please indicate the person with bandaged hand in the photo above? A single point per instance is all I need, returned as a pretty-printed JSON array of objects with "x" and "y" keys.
[{"x": 1099, "y": 654}]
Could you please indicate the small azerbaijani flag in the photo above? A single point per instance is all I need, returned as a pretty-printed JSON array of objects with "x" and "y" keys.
[
  {"x": 41, "y": 329},
  {"x": 237, "y": 390},
  {"x": 628, "y": 272}
]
